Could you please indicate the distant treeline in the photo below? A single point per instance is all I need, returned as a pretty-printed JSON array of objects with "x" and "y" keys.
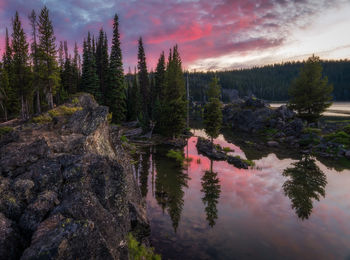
[{"x": 270, "y": 82}]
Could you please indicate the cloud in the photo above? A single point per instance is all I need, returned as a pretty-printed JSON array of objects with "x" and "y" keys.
[{"x": 204, "y": 29}]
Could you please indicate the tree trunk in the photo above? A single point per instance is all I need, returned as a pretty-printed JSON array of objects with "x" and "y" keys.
[
  {"x": 38, "y": 108},
  {"x": 22, "y": 108}
]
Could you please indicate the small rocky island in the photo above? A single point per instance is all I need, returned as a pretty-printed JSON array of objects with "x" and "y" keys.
[{"x": 66, "y": 187}]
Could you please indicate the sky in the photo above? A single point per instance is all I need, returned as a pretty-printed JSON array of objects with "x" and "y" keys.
[{"x": 211, "y": 34}]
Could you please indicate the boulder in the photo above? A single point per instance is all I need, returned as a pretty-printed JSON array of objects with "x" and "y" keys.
[
  {"x": 208, "y": 149},
  {"x": 237, "y": 162},
  {"x": 272, "y": 143}
]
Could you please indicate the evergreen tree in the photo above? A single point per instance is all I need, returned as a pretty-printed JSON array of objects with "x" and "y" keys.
[
  {"x": 159, "y": 89},
  {"x": 48, "y": 68},
  {"x": 143, "y": 82},
  {"x": 116, "y": 87},
  {"x": 76, "y": 69},
  {"x": 310, "y": 92},
  {"x": 212, "y": 110},
  {"x": 4, "y": 92},
  {"x": 89, "y": 78},
  {"x": 134, "y": 109},
  {"x": 174, "y": 103},
  {"x": 102, "y": 64},
  {"x": 21, "y": 68},
  {"x": 11, "y": 97},
  {"x": 35, "y": 60}
]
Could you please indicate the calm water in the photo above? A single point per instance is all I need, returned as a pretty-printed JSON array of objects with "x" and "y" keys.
[
  {"x": 212, "y": 210},
  {"x": 341, "y": 109}
]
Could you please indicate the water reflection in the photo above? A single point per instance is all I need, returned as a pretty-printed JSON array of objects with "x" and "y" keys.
[
  {"x": 144, "y": 171},
  {"x": 211, "y": 189},
  {"x": 306, "y": 182},
  {"x": 169, "y": 184}
]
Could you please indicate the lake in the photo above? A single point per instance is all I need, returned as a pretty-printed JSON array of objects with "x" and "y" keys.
[
  {"x": 212, "y": 210},
  {"x": 337, "y": 109}
]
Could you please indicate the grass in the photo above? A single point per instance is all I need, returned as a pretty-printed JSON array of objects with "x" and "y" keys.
[
  {"x": 176, "y": 154},
  {"x": 138, "y": 251},
  {"x": 248, "y": 162},
  {"x": 42, "y": 119},
  {"x": 270, "y": 131},
  {"x": 63, "y": 111},
  {"x": 311, "y": 130},
  {"x": 5, "y": 130},
  {"x": 227, "y": 149}
]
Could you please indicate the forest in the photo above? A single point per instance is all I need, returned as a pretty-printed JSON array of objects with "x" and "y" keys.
[
  {"x": 270, "y": 82},
  {"x": 36, "y": 76}
]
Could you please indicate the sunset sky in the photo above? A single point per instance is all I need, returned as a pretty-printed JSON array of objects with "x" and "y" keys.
[{"x": 211, "y": 34}]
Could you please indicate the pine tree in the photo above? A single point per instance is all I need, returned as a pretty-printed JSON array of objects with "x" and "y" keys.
[
  {"x": 4, "y": 92},
  {"x": 212, "y": 110},
  {"x": 102, "y": 64},
  {"x": 116, "y": 85},
  {"x": 143, "y": 82},
  {"x": 174, "y": 104},
  {"x": 21, "y": 69},
  {"x": 35, "y": 60},
  {"x": 48, "y": 68},
  {"x": 159, "y": 89},
  {"x": 89, "y": 78},
  {"x": 76, "y": 69},
  {"x": 12, "y": 100},
  {"x": 310, "y": 94}
]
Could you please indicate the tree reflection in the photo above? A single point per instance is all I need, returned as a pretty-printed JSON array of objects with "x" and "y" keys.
[
  {"x": 306, "y": 182},
  {"x": 169, "y": 184},
  {"x": 144, "y": 171},
  {"x": 211, "y": 189}
]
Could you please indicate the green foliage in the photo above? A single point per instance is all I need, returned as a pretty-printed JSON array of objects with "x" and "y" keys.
[
  {"x": 247, "y": 161},
  {"x": 306, "y": 182},
  {"x": 143, "y": 81},
  {"x": 42, "y": 119},
  {"x": 138, "y": 251},
  {"x": 270, "y": 131},
  {"x": 310, "y": 93},
  {"x": 347, "y": 129},
  {"x": 5, "y": 130},
  {"x": 339, "y": 137},
  {"x": 47, "y": 65},
  {"x": 311, "y": 130},
  {"x": 124, "y": 139},
  {"x": 174, "y": 104},
  {"x": 109, "y": 117},
  {"x": 176, "y": 154},
  {"x": 63, "y": 110},
  {"x": 212, "y": 111},
  {"x": 116, "y": 86},
  {"x": 75, "y": 101}
]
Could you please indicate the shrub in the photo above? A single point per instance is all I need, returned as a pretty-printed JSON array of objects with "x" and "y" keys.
[
  {"x": 176, "y": 154},
  {"x": 227, "y": 149},
  {"x": 138, "y": 251},
  {"x": 124, "y": 139},
  {"x": 248, "y": 162},
  {"x": 75, "y": 101},
  {"x": 339, "y": 137},
  {"x": 63, "y": 110},
  {"x": 42, "y": 119},
  {"x": 109, "y": 117},
  {"x": 347, "y": 129},
  {"x": 5, "y": 130},
  {"x": 311, "y": 130}
]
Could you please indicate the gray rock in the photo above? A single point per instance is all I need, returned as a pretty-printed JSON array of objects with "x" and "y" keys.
[
  {"x": 272, "y": 143},
  {"x": 237, "y": 162},
  {"x": 205, "y": 147},
  {"x": 347, "y": 154}
]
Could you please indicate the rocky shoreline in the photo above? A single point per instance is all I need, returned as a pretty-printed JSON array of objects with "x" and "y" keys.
[
  {"x": 282, "y": 128},
  {"x": 67, "y": 189}
]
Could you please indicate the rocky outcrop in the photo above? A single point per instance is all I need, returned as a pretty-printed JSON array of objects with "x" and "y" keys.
[
  {"x": 67, "y": 189},
  {"x": 210, "y": 150},
  {"x": 255, "y": 116}
]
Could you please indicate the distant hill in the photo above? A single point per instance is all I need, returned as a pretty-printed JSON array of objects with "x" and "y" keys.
[{"x": 271, "y": 82}]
